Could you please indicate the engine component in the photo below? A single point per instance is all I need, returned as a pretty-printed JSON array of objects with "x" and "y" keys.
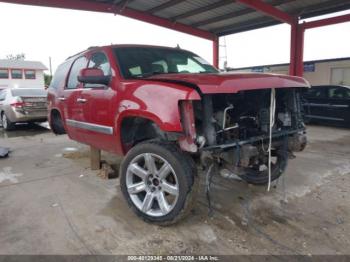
[
  {"x": 285, "y": 118},
  {"x": 201, "y": 141},
  {"x": 248, "y": 142},
  {"x": 297, "y": 142},
  {"x": 225, "y": 173},
  {"x": 264, "y": 119},
  {"x": 208, "y": 120},
  {"x": 230, "y": 107},
  {"x": 246, "y": 153}
]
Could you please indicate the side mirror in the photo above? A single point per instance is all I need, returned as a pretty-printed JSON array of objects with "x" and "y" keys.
[{"x": 93, "y": 76}]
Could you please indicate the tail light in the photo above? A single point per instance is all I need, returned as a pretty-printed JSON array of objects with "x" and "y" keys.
[{"x": 18, "y": 103}]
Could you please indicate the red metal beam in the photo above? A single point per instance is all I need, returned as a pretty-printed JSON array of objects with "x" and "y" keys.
[
  {"x": 115, "y": 9},
  {"x": 296, "y": 67},
  {"x": 293, "y": 43},
  {"x": 299, "y": 63},
  {"x": 327, "y": 21},
  {"x": 268, "y": 10}
]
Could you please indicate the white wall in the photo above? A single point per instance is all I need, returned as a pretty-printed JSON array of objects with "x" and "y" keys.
[
  {"x": 323, "y": 73},
  {"x": 38, "y": 82},
  {"x": 326, "y": 73}
]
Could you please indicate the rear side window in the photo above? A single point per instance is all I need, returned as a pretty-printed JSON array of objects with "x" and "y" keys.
[
  {"x": 79, "y": 64},
  {"x": 339, "y": 93},
  {"x": 59, "y": 78},
  {"x": 316, "y": 92},
  {"x": 2, "y": 95}
]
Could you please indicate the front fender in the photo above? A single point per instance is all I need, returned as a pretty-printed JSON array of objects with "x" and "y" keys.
[{"x": 156, "y": 102}]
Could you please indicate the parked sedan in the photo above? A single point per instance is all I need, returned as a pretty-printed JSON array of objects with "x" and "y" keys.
[
  {"x": 328, "y": 104},
  {"x": 22, "y": 105}
]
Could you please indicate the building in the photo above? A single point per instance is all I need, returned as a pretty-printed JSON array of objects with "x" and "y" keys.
[
  {"x": 319, "y": 72},
  {"x": 21, "y": 74}
]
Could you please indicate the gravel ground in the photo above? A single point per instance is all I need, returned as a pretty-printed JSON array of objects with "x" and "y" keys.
[{"x": 52, "y": 203}]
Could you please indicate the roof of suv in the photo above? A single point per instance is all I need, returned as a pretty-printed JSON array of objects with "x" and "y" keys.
[{"x": 92, "y": 48}]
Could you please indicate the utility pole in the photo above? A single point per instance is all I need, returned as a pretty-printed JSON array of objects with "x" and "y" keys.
[
  {"x": 50, "y": 66},
  {"x": 223, "y": 50}
]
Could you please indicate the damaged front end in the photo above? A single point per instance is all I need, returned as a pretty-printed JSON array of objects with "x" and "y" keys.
[{"x": 233, "y": 132}]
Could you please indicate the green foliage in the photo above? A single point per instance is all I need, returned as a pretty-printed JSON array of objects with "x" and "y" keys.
[
  {"x": 47, "y": 79},
  {"x": 20, "y": 56}
]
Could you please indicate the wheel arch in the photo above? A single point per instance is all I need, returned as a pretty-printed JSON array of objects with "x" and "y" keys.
[{"x": 135, "y": 128}]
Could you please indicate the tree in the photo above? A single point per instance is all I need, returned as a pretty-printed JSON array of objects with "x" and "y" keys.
[
  {"x": 47, "y": 79},
  {"x": 20, "y": 56}
]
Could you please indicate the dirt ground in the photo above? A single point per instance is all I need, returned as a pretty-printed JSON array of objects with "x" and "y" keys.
[{"x": 52, "y": 203}]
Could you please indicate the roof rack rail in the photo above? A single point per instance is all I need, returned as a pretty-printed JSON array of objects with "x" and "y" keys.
[
  {"x": 92, "y": 47},
  {"x": 89, "y": 48}
]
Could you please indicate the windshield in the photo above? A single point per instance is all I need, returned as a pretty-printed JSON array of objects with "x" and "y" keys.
[
  {"x": 29, "y": 92},
  {"x": 140, "y": 62}
]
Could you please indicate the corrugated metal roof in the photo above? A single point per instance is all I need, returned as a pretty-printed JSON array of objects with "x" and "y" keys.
[
  {"x": 224, "y": 17},
  {"x": 221, "y": 17},
  {"x": 22, "y": 64}
]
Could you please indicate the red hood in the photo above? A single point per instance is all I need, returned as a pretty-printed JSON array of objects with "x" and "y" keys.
[{"x": 234, "y": 82}]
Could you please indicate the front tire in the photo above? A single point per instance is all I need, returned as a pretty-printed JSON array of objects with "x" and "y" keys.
[
  {"x": 158, "y": 182},
  {"x": 256, "y": 177}
]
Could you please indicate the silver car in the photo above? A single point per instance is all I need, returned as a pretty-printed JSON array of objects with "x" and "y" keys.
[{"x": 22, "y": 105}]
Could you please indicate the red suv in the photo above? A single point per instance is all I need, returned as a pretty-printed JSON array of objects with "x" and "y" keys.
[{"x": 169, "y": 111}]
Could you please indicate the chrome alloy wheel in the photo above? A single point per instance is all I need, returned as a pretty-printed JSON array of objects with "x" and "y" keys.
[{"x": 152, "y": 184}]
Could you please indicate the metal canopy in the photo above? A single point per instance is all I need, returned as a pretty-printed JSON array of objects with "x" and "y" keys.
[
  {"x": 204, "y": 18},
  {"x": 210, "y": 19},
  {"x": 223, "y": 17}
]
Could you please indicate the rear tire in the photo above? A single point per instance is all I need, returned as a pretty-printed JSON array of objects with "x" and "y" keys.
[
  {"x": 57, "y": 123},
  {"x": 159, "y": 182},
  {"x": 6, "y": 123}
]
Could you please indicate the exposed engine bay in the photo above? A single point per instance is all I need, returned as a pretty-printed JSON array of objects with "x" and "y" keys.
[{"x": 233, "y": 131}]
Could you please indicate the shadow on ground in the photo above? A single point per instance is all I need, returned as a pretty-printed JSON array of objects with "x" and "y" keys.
[{"x": 24, "y": 130}]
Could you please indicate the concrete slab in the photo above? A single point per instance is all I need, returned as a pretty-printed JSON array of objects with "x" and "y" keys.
[{"x": 52, "y": 203}]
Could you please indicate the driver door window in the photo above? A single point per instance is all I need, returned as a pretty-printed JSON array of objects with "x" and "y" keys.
[
  {"x": 79, "y": 64},
  {"x": 100, "y": 61}
]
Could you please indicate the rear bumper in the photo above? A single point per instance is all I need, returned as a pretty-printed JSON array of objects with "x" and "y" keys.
[{"x": 26, "y": 116}]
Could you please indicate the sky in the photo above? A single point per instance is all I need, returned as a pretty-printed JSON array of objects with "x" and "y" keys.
[{"x": 41, "y": 32}]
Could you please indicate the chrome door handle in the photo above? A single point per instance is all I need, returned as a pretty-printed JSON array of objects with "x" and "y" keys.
[
  {"x": 81, "y": 100},
  {"x": 62, "y": 98}
]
